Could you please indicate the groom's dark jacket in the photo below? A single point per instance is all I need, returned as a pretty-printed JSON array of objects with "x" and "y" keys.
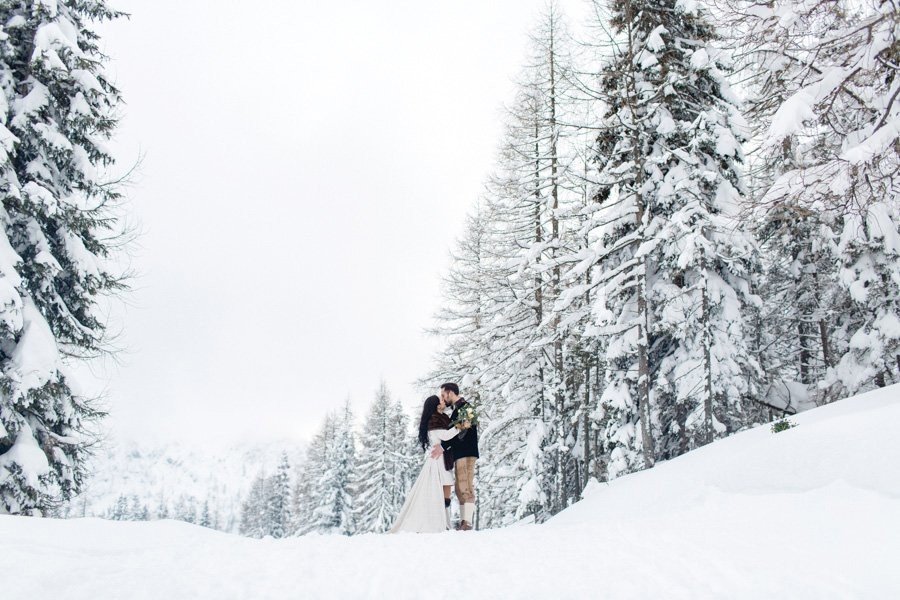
[{"x": 466, "y": 443}]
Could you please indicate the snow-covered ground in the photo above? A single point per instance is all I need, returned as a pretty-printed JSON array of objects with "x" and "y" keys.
[{"x": 812, "y": 512}]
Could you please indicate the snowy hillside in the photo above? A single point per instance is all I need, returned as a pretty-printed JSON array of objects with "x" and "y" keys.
[
  {"x": 176, "y": 479},
  {"x": 811, "y": 512}
]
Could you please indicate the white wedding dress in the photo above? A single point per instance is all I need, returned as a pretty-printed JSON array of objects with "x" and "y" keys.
[{"x": 423, "y": 511}]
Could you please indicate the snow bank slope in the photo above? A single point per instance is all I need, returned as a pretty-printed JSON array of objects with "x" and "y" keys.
[{"x": 812, "y": 512}]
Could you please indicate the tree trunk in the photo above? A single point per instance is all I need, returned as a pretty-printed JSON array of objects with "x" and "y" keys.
[
  {"x": 554, "y": 225},
  {"x": 707, "y": 364},
  {"x": 644, "y": 370},
  {"x": 804, "y": 352},
  {"x": 826, "y": 351},
  {"x": 641, "y": 220},
  {"x": 538, "y": 238},
  {"x": 587, "y": 425}
]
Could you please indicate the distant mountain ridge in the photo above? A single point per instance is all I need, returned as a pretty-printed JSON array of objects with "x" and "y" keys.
[{"x": 203, "y": 485}]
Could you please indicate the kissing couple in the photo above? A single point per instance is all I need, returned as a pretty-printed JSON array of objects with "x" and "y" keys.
[{"x": 448, "y": 433}]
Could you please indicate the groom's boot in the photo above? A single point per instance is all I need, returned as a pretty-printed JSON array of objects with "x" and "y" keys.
[
  {"x": 447, "y": 509},
  {"x": 467, "y": 511}
]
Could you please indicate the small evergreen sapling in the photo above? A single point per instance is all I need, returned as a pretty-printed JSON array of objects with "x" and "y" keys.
[{"x": 782, "y": 424}]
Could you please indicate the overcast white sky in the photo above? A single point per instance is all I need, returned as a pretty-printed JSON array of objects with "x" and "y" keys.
[{"x": 307, "y": 167}]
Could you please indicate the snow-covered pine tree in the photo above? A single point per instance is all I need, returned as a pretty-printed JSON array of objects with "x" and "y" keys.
[
  {"x": 409, "y": 464},
  {"x": 488, "y": 325},
  {"x": 515, "y": 349},
  {"x": 185, "y": 509},
  {"x": 478, "y": 340},
  {"x": 214, "y": 521},
  {"x": 529, "y": 393},
  {"x": 57, "y": 218},
  {"x": 278, "y": 500},
  {"x": 300, "y": 500},
  {"x": 253, "y": 509},
  {"x": 137, "y": 511},
  {"x": 674, "y": 262},
  {"x": 307, "y": 490},
  {"x": 792, "y": 326},
  {"x": 119, "y": 510},
  {"x": 467, "y": 291},
  {"x": 553, "y": 164},
  {"x": 338, "y": 496},
  {"x": 205, "y": 516},
  {"x": 584, "y": 366},
  {"x": 618, "y": 229},
  {"x": 162, "y": 511},
  {"x": 379, "y": 477},
  {"x": 826, "y": 100},
  {"x": 330, "y": 465}
]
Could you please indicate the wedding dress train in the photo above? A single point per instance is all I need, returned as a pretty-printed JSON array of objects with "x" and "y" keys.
[{"x": 423, "y": 511}]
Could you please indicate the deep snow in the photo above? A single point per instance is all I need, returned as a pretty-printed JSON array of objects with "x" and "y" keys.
[{"x": 812, "y": 512}]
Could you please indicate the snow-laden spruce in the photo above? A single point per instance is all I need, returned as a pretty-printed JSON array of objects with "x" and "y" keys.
[
  {"x": 324, "y": 503},
  {"x": 385, "y": 465},
  {"x": 267, "y": 508},
  {"x": 57, "y": 215},
  {"x": 514, "y": 352},
  {"x": 826, "y": 100},
  {"x": 673, "y": 261},
  {"x": 278, "y": 500},
  {"x": 522, "y": 370}
]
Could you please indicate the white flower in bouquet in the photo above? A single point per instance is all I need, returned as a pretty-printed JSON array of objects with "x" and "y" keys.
[{"x": 466, "y": 414}]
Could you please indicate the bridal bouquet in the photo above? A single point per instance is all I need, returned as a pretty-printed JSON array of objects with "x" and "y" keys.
[{"x": 466, "y": 413}]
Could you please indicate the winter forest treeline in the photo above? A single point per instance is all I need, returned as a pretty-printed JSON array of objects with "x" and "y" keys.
[
  {"x": 691, "y": 228},
  {"x": 353, "y": 480}
]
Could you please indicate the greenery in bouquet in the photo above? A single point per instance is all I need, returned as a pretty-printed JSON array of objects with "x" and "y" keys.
[{"x": 466, "y": 413}]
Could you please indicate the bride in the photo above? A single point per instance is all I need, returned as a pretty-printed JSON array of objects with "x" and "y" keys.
[{"x": 424, "y": 510}]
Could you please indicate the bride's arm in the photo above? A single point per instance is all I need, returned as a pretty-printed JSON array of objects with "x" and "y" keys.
[{"x": 445, "y": 434}]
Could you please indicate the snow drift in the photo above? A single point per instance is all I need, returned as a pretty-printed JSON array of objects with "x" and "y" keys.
[{"x": 811, "y": 512}]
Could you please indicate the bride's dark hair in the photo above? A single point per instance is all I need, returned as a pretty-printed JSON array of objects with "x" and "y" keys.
[{"x": 431, "y": 404}]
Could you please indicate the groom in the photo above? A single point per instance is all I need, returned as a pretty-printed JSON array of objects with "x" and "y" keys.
[{"x": 465, "y": 453}]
